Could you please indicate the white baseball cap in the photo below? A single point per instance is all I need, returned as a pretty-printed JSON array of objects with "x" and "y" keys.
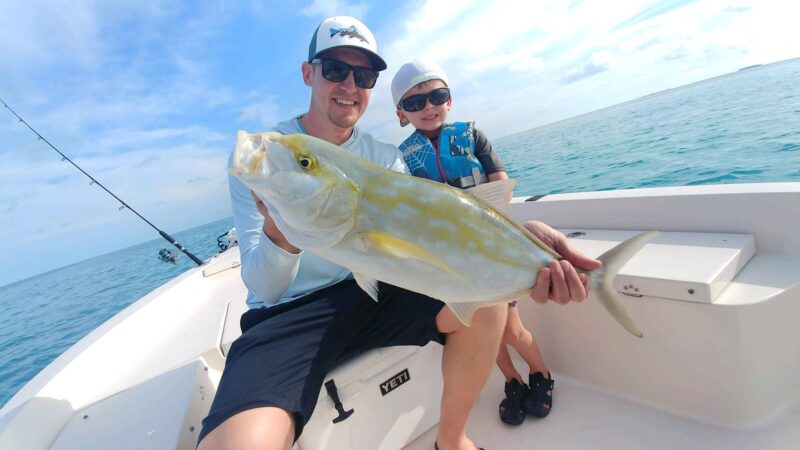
[
  {"x": 413, "y": 73},
  {"x": 345, "y": 31}
]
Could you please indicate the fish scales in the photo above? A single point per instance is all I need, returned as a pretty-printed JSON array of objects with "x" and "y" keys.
[
  {"x": 472, "y": 241},
  {"x": 436, "y": 219},
  {"x": 453, "y": 245}
]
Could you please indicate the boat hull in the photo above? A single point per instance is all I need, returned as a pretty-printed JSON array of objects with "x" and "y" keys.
[{"x": 713, "y": 374}]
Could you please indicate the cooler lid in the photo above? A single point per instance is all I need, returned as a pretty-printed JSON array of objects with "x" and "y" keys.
[{"x": 675, "y": 265}]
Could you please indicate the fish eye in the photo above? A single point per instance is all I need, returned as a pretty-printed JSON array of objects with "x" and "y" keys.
[{"x": 305, "y": 162}]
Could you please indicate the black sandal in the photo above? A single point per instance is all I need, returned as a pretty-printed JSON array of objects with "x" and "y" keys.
[
  {"x": 540, "y": 400},
  {"x": 511, "y": 410}
]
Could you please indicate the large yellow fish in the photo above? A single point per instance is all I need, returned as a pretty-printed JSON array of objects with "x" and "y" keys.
[{"x": 450, "y": 244}]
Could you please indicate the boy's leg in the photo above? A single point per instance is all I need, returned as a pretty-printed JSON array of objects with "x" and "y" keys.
[
  {"x": 522, "y": 341},
  {"x": 467, "y": 361},
  {"x": 507, "y": 366},
  {"x": 539, "y": 400}
]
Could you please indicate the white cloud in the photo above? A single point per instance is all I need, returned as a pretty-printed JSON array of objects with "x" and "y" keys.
[
  {"x": 527, "y": 64},
  {"x": 598, "y": 62},
  {"x": 329, "y": 8},
  {"x": 264, "y": 111},
  {"x": 180, "y": 175},
  {"x": 506, "y": 70},
  {"x": 134, "y": 91},
  {"x": 40, "y": 36}
]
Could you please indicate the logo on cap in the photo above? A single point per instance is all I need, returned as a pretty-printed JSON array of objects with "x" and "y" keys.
[{"x": 350, "y": 32}]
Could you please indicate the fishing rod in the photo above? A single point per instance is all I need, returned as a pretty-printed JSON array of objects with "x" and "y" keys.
[{"x": 64, "y": 157}]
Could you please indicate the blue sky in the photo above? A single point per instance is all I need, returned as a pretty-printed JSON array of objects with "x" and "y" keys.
[{"x": 147, "y": 96}]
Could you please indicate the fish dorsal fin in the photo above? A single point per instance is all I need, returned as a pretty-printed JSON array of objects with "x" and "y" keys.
[
  {"x": 465, "y": 311},
  {"x": 497, "y": 194},
  {"x": 369, "y": 285},
  {"x": 400, "y": 248}
]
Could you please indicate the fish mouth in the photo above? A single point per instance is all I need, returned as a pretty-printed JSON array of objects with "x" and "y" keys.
[
  {"x": 250, "y": 156},
  {"x": 261, "y": 162},
  {"x": 264, "y": 164},
  {"x": 243, "y": 157}
]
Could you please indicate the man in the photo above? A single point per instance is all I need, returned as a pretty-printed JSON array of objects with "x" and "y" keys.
[{"x": 306, "y": 313}]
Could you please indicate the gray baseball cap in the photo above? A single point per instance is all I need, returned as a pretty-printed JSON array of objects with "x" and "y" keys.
[{"x": 413, "y": 73}]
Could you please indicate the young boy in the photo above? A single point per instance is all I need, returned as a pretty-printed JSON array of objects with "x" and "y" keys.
[{"x": 460, "y": 155}]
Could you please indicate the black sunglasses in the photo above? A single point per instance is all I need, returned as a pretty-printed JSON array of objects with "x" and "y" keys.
[
  {"x": 417, "y": 102},
  {"x": 337, "y": 71}
]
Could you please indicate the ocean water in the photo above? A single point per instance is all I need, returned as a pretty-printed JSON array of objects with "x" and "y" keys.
[
  {"x": 41, "y": 317},
  {"x": 739, "y": 128}
]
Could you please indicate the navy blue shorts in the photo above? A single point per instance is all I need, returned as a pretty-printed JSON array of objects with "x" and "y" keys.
[{"x": 286, "y": 351}]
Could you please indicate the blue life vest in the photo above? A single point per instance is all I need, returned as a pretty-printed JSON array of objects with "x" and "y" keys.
[{"x": 453, "y": 163}]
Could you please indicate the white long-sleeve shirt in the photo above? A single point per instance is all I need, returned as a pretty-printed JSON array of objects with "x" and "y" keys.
[{"x": 271, "y": 274}]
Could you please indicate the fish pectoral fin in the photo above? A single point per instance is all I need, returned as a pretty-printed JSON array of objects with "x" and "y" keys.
[
  {"x": 497, "y": 194},
  {"x": 400, "y": 248},
  {"x": 465, "y": 311},
  {"x": 369, "y": 285}
]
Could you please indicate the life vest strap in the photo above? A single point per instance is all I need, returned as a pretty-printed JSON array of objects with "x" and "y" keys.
[{"x": 469, "y": 181}]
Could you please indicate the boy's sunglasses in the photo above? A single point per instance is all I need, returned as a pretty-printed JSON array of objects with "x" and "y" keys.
[
  {"x": 337, "y": 71},
  {"x": 417, "y": 102}
]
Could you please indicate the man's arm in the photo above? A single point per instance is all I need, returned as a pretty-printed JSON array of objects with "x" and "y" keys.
[{"x": 267, "y": 269}]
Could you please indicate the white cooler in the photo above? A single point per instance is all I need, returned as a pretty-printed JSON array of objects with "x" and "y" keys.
[{"x": 394, "y": 395}]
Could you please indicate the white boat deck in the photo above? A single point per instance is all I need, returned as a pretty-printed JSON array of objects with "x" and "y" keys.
[
  {"x": 584, "y": 418},
  {"x": 146, "y": 378}
]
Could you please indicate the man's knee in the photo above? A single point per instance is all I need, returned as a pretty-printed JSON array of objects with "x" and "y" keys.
[
  {"x": 257, "y": 428},
  {"x": 491, "y": 317}
]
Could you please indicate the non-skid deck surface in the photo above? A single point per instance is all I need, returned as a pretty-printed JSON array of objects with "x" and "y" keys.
[{"x": 586, "y": 419}]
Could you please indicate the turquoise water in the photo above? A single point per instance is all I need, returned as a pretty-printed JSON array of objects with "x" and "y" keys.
[
  {"x": 739, "y": 128},
  {"x": 43, "y": 316}
]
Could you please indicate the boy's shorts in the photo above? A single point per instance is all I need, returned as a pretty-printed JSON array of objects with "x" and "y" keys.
[{"x": 286, "y": 351}]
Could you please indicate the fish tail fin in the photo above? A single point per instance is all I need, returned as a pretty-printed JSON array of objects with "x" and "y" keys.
[{"x": 600, "y": 280}]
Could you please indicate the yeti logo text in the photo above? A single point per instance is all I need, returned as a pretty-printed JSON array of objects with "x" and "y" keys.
[{"x": 394, "y": 382}]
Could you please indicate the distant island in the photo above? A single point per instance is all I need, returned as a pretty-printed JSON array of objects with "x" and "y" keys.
[{"x": 749, "y": 67}]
